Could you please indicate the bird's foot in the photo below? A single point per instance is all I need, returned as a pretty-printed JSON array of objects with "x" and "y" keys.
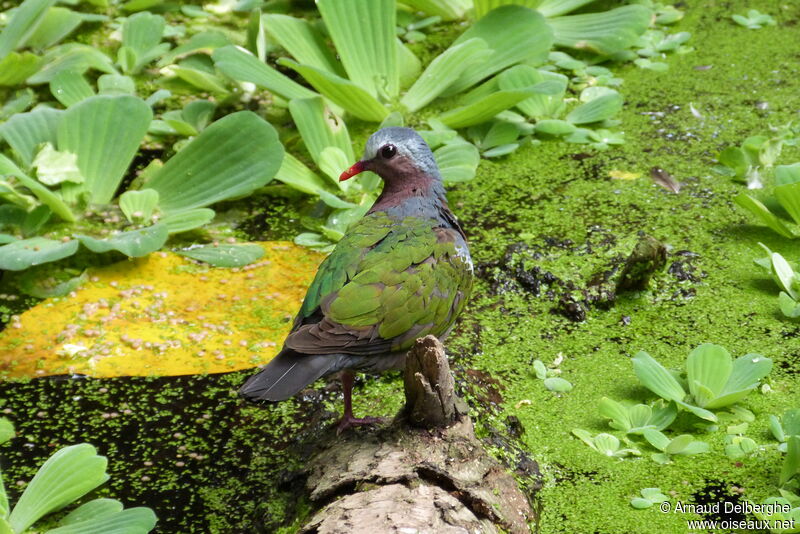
[{"x": 350, "y": 422}]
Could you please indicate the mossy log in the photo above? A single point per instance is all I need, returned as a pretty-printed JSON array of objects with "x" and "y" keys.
[{"x": 426, "y": 472}]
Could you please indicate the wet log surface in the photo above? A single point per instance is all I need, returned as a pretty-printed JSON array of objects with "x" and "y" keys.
[{"x": 425, "y": 472}]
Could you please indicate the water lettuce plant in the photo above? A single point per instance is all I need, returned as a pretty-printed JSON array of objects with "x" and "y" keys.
[
  {"x": 713, "y": 379},
  {"x": 787, "y": 279},
  {"x": 785, "y": 200},
  {"x": 69, "y": 474},
  {"x": 753, "y": 19},
  {"x": 648, "y": 497},
  {"x": 639, "y": 417},
  {"x": 785, "y": 427},
  {"x": 606, "y": 444},
  {"x": 683, "y": 445},
  {"x": 65, "y": 169}
]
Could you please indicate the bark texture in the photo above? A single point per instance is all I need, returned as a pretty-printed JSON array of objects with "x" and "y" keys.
[{"x": 407, "y": 479}]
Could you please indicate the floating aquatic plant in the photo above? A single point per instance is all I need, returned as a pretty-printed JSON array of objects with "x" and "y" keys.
[
  {"x": 606, "y": 444},
  {"x": 787, "y": 279},
  {"x": 648, "y": 497},
  {"x": 65, "y": 477},
  {"x": 683, "y": 445},
  {"x": 785, "y": 427},
  {"x": 68, "y": 165},
  {"x": 713, "y": 379},
  {"x": 753, "y": 20},
  {"x": 639, "y": 417}
]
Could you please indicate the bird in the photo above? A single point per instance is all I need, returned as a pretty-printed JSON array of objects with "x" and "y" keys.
[{"x": 403, "y": 271}]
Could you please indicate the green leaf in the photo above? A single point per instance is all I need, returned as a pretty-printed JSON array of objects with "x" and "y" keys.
[
  {"x": 41, "y": 192},
  {"x": 746, "y": 373},
  {"x": 133, "y": 243},
  {"x": 303, "y": 42},
  {"x": 443, "y": 71},
  {"x": 408, "y": 64},
  {"x": 256, "y": 41},
  {"x": 116, "y": 84},
  {"x": 653, "y": 495},
  {"x": 25, "y": 253},
  {"x": 606, "y": 32},
  {"x": 57, "y": 23},
  {"x": 92, "y": 509},
  {"x": 679, "y": 444},
  {"x": 787, "y": 174},
  {"x": 702, "y": 413},
  {"x": 16, "y": 67},
  {"x": 200, "y": 79},
  {"x": 789, "y": 307},
  {"x": 138, "y": 205},
  {"x": 35, "y": 219},
  {"x": 761, "y": 212},
  {"x": 791, "y": 463},
  {"x": 105, "y": 133},
  {"x": 656, "y": 439},
  {"x": 554, "y": 127},
  {"x": 482, "y": 7},
  {"x": 557, "y": 384},
  {"x": 25, "y": 18},
  {"x": 66, "y": 476},
  {"x": 183, "y": 221},
  {"x": 320, "y": 128},
  {"x": 735, "y": 159},
  {"x": 596, "y": 110},
  {"x": 484, "y": 109},
  {"x": 369, "y": 57},
  {"x": 293, "y": 173},
  {"x": 515, "y": 34},
  {"x": 6, "y": 433},
  {"x": 788, "y": 196},
  {"x": 333, "y": 162},
  {"x": 232, "y": 157},
  {"x": 54, "y": 167},
  {"x": 554, "y": 8},
  {"x": 655, "y": 378},
  {"x": 138, "y": 520},
  {"x": 344, "y": 93},
  {"x": 457, "y": 161},
  {"x": 69, "y": 88},
  {"x": 74, "y": 57},
  {"x": 205, "y": 42},
  {"x": 447, "y": 9},
  {"x": 239, "y": 64},
  {"x": 709, "y": 365},
  {"x": 616, "y": 412},
  {"x": 639, "y": 503},
  {"x": 539, "y": 105},
  {"x": 783, "y": 273},
  {"x": 224, "y": 255},
  {"x": 24, "y": 132}
]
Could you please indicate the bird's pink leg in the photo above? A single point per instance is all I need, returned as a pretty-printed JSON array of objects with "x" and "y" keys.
[{"x": 348, "y": 420}]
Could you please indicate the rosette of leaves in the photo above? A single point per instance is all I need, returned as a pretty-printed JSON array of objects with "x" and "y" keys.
[
  {"x": 713, "y": 379},
  {"x": 752, "y": 162},
  {"x": 783, "y": 205},
  {"x": 606, "y": 444},
  {"x": 639, "y": 417},
  {"x": 65, "y": 477},
  {"x": 29, "y": 50},
  {"x": 368, "y": 75},
  {"x": 604, "y": 33},
  {"x": 61, "y": 179},
  {"x": 683, "y": 445}
]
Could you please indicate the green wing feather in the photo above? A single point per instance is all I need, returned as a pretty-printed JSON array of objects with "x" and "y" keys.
[{"x": 384, "y": 285}]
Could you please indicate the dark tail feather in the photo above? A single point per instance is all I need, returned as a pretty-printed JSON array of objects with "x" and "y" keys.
[{"x": 285, "y": 375}]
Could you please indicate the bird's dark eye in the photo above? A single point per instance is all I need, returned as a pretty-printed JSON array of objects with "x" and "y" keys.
[{"x": 388, "y": 151}]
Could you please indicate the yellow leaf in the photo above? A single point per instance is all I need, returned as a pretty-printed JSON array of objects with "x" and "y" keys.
[
  {"x": 163, "y": 315},
  {"x": 624, "y": 175}
]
